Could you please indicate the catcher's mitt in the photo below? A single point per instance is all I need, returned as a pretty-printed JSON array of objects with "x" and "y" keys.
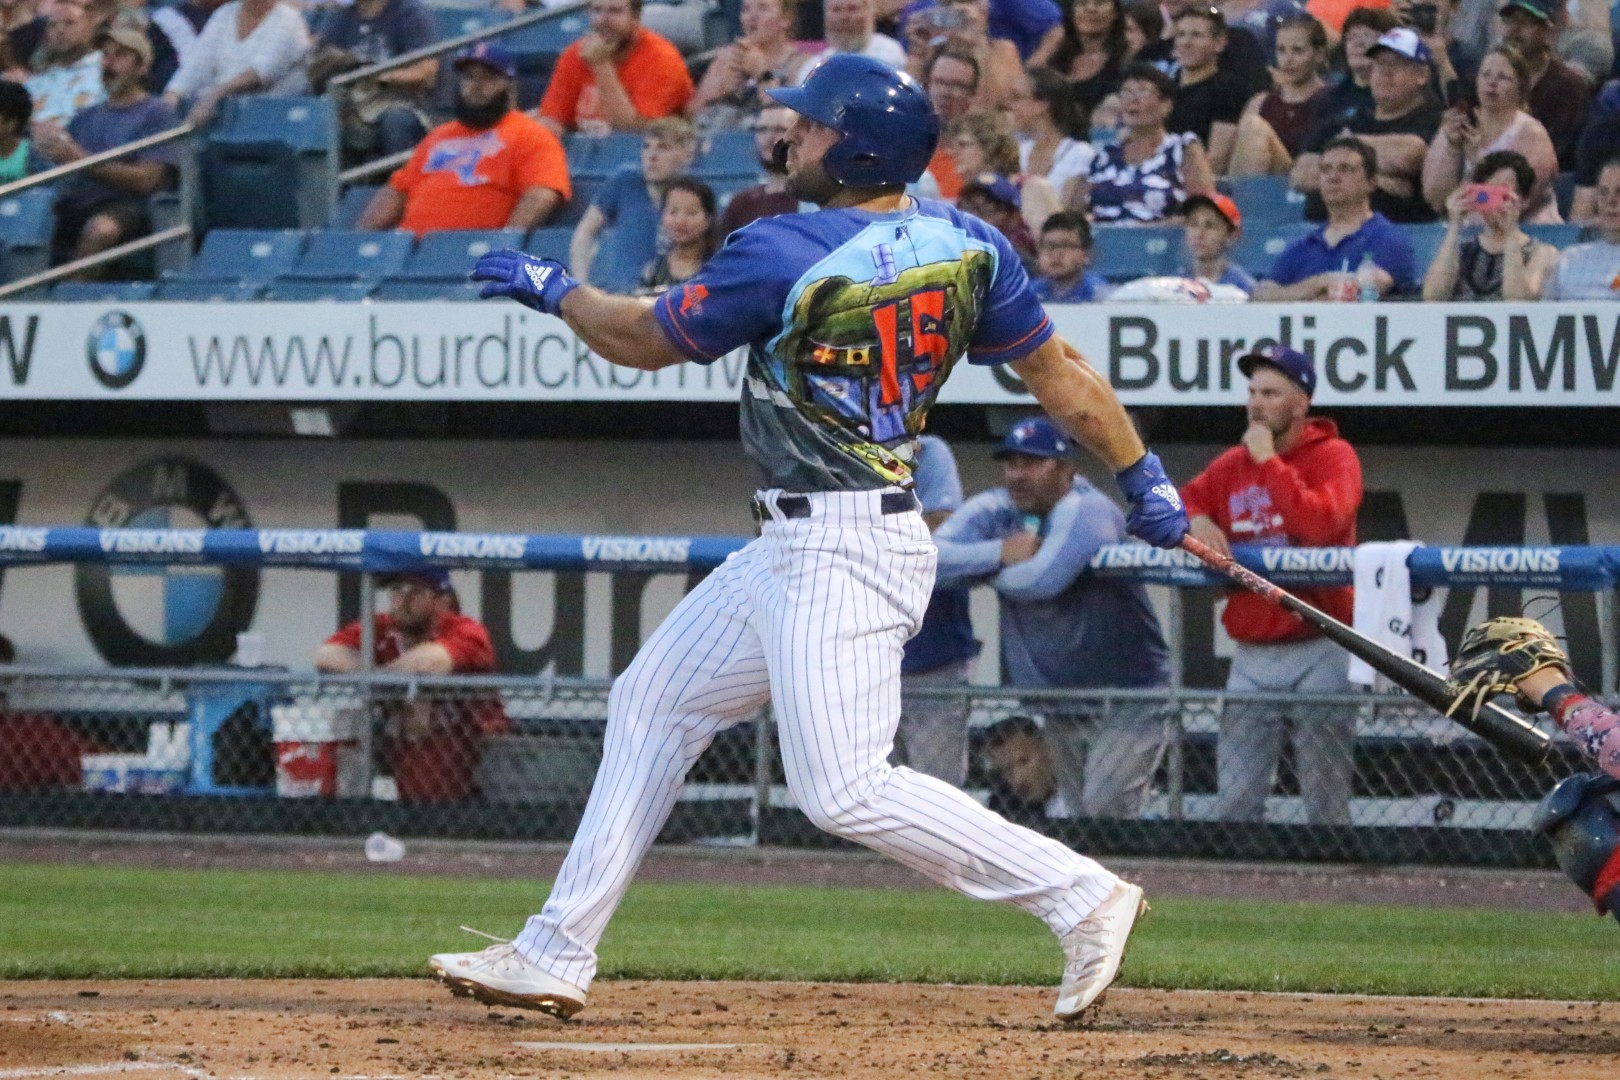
[{"x": 1495, "y": 657}]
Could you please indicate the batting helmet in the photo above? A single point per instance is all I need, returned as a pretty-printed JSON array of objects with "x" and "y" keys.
[
  {"x": 889, "y": 126},
  {"x": 1582, "y": 820}
]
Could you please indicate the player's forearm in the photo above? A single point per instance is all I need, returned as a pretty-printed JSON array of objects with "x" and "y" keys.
[
  {"x": 1082, "y": 403},
  {"x": 620, "y": 329},
  {"x": 1593, "y": 726}
]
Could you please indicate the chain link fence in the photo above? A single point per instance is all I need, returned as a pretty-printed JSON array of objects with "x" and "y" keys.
[{"x": 1352, "y": 778}]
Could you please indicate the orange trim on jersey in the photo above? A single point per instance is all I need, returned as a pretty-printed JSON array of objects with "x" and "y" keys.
[
  {"x": 1045, "y": 322},
  {"x": 671, "y": 318}
]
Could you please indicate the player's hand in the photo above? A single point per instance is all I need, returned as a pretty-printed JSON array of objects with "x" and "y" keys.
[
  {"x": 1157, "y": 515},
  {"x": 1019, "y": 547},
  {"x": 536, "y": 283}
]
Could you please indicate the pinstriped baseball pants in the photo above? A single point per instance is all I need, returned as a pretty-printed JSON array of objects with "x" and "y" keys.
[{"x": 813, "y": 616}]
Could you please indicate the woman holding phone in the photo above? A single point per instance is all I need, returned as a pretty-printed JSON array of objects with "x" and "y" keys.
[
  {"x": 1468, "y": 134},
  {"x": 1502, "y": 262}
]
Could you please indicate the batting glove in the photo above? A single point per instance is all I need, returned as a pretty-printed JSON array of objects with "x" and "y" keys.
[
  {"x": 1157, "y": 515},
  {"x": 536, "y": 283}
]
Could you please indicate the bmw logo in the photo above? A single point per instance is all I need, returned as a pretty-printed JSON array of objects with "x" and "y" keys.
[{"x": 116, "y": 350}]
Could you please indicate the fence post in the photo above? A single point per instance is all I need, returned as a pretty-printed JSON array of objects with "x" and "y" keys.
[
  {"x": 368, "y": 656},
  {"x": 1175, "y": 764},
  {"x": 1608, "y": 641}
]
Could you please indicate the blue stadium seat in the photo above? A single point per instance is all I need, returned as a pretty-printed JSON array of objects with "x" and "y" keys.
[
  {"x": 426, "y": 290},
  {"x": 1265, "y": 200},
  {"x": 550, "y": 242},
  {"x": 351, "y": 205},
  {"x": 26, "y": 221},
  {"x": 344, "y": 255},
  {"x": 1559, "y": 236},
  {"x": 250, "y": 185},
  {"x": 453, "y": 22},
  {"x": 1259, "y": 246},
  {"x": 1127, "y": 252},
  {"x": 207, "y": 291},
  {"x": 318, "y": 290},
  {"x": 585, "y": 189},
  {"x": 598, "y": 155},
  {"x": 102, "y": 292},
  {"x": 307, "y": 124},
  {"x": 727, "y": 153},
  {"x": 614, "y": 269},
  {"x": 449, "y": 255},
  {"x": 253, "y": 256},
  {"x": 1425, "y": 240},
  {"x": 547, "y": 37}
]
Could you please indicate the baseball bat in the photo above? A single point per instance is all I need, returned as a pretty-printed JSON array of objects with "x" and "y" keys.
[{"x": 1494, "y": 724}]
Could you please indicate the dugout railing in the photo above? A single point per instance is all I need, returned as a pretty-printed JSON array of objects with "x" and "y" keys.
[{"x": 225, "y": 749}]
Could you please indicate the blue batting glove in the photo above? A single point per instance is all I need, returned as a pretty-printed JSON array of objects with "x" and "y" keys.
[
  {"x": 1157, "y": 515},
  {"x": 535, "y": 283}
]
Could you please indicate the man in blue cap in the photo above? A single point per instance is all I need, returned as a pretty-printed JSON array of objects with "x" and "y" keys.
[
  {"x": 1032, "y": 541},
  {"x": 1290, "y": 482}
]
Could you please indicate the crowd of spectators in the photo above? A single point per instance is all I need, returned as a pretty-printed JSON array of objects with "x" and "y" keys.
[{"x": 1118, "y": 112}]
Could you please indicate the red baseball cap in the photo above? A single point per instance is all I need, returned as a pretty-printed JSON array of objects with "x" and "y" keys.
[{"x": 1219, "y": 203}]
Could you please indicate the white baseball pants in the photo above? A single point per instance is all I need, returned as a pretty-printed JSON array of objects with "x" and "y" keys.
[{"x": 813, "y": 616}]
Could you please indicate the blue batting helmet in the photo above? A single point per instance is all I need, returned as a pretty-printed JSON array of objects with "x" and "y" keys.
[{"x": 889, "y": 126}]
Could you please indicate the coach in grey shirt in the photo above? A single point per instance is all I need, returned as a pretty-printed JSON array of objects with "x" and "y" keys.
[
  {"x": 1032, "y": 541},
  {"x": 1592, "y": 271}
]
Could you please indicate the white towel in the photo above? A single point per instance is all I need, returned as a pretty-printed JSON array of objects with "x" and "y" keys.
[{"x": 1386, "y": 613}]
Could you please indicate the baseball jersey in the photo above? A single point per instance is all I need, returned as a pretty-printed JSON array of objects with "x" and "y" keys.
[{"x": 853, "y": 320}]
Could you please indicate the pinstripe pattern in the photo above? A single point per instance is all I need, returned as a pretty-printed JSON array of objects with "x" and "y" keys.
[{"x": 814, "y": 615}]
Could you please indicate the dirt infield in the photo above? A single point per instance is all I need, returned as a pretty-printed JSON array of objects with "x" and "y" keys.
[{"x": 683, "y": 1031}]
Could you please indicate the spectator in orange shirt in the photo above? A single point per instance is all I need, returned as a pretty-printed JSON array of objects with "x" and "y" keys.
[
  {"x": 431, "y": 744},
  {"x": 492, "y": 167},
  {"x": 617, "y": 77}
]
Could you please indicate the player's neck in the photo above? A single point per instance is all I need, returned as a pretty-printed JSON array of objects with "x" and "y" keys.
[{"x": 875, "y": 200}]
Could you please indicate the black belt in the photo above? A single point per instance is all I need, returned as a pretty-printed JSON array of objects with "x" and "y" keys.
[{"x": 798, "y": 506}]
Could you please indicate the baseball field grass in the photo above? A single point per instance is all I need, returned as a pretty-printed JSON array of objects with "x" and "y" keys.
[{"x": 83, "y": 921}]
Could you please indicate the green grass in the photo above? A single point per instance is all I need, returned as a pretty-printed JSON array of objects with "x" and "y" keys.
[{"x": 78, "y": 922}]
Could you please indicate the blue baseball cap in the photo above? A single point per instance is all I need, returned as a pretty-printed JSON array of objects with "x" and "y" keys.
[
  {"x": 1291, "y": 362},
  {"x": 1404, "y": 42},
  {"x": 436, "y": 578},
  {"x": 490, "y": 55},
  {"x": 1035, "y": 437},
  {"x": 995, "y": 185}
]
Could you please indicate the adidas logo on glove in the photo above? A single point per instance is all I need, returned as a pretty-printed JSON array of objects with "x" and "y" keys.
[{"x": 538, "y": 275}]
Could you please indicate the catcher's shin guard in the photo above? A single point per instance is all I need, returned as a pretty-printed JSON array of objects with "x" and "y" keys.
[{"x": 1581, "y": 818}]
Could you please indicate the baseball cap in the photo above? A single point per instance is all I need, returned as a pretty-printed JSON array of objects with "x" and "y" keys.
[
  {"x": 997, "y": 186},
  {"x": 1291, "y": 362},
  {"x": 1219, "y": 203},
  {"x": 1035, "y": 437},
  {"x": 128, "y": 37},
  {"x": 490, "y": 55},
  {"x": 436, "y": 578},
  {"x": 1541, "y": 9},
  {"x": 1404, "y": 42}
]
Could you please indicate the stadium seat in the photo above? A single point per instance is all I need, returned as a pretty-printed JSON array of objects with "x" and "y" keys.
[
  {"x": 351, "y": 205},
  {"x": 727, "y": 153},
  {"x": 454, "y": 22},
  {"x": 1127, "y": 252},
  {"x": 105, "y": 292},
  {"x": 549, "y": 37},
  {"x": 307, "y": 124},
  {"x": 252, "y": 256},
  {"x": 449, "y": 255},
  {"x": 344, "y": 255},
  {"x": 318, "y": 290},
  {"x": 250, "y": 185},
  {"x": 1425, "y": 240},
  {"x": 597, "y": 155},
  {"x": 550, "y": 242},
  {"x": 426, "y": 290},
  {"x": 1259, "y": 247},
  {"x": 207, "y": 291},
  {"x": 1559, "y": 236},
  {"x": 26, "y": 221},
  {"x": 585, "y": 189},
  {"x": 1265, "y": 200}
]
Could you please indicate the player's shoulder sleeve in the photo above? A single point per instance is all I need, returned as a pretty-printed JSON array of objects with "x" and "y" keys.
[
  {"x": 1013, "y": 323},
  {"x": 737, "y": 297}
]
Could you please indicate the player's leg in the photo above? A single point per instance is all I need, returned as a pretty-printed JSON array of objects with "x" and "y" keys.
[
  {"x": 701, "y": 671},
  {"x": 1251, "y": 735},
  {"x": 933, "y": 730},
  {"x": 1324, "y": 735}
]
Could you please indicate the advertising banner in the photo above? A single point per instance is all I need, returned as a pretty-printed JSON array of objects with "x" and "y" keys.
[{"x": 1366, "y": 354}]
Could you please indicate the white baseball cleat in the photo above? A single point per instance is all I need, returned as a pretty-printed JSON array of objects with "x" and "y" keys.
[
  {"x": 499, "y": 976},
  {"x": 1092, "y": 952}
]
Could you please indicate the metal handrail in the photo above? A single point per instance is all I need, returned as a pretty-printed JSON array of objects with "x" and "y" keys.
[
  {"x": 371, "y": 168},
  {"x": 51, "y": 175},
  {"x": 112, "y": 254}
]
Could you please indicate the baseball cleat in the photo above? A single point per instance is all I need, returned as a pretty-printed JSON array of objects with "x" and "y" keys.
[
  {"x": 1092, "y": 953},
  {"x": 498, "y": 975}
]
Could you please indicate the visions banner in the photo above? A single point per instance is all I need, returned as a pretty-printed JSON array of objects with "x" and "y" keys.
[{"x": 1366, "y": 355}]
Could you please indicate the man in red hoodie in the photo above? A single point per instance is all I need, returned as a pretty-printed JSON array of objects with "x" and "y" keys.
[{"x": 1291, "y": 482}]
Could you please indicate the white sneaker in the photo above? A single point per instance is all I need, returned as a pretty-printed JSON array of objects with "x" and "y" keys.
[
  {"x": 1092, "y": 952},
  {"x": 499, "y": 976}
]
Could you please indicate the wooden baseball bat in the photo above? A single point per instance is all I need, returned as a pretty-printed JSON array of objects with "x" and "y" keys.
[{"x": 1494, "y": 724}]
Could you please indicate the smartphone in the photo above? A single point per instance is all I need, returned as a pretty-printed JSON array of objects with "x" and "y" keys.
[
  {"x": 946, "y": 17},
  {"x": 1486, "y": 197}
]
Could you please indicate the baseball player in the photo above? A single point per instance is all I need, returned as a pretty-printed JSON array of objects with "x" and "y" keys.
[{"x": 853, "y": 317}]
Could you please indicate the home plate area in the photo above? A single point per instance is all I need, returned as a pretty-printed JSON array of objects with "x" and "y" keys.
[{"x": 376, "y": 1028}]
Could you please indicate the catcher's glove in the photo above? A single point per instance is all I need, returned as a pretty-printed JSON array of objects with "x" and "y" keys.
[{"x": 1495, "y": 657}]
